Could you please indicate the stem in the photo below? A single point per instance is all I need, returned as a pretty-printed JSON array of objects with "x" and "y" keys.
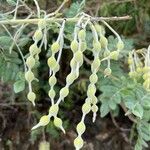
[{"x": 35, "y": 21}]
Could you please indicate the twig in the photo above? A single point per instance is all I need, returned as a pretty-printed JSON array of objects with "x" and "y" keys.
[{"x": 48, "y": 20}]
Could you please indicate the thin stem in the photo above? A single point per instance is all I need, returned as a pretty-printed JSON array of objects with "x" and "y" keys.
[
  {"x": 38, "y": 8},
  {"x": 48, "y": 20}
]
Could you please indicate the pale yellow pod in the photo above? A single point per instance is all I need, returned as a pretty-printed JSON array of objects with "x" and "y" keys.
[
  {"x": 52, "y": 80},
  {"x": 120, "y": 45},
  {"x": 74, "y": 46},
  {"x": 70, "y": 78},
  {"x": 78, "y": 143},
  {"x": 38, "y": 35},
  {"x": 51, "y": 62},
  {"x": 33, "y": 49},
  {"x": 51, "y": 93},
  {"x": 96, "y": 46},
  {"x": 31, "y": 97},
  {"x": 82, "y": 34},
  {"x": 29, "y": 76},
  {"x": 86, "y": 108},
  {"x": 94, "y": 108},
  {"x": 78, "y": 56},
  {"x": 146, "y": 76},
  {"x": 55, "y": 47},
  {"x": 73, "y": 64},
  {"x": 106, "y": 53},
  {"x": 103, "y": 41},
  {"x": 83, "y": 46},
  {"x": 53, "y": 111},
  {"x": 107, "y": 72},
  {"x": 91, "y": 90},
  {"x": 44, "y": 120},
  {"x": 81, "y": 128},
  {"x": 114, "y": 55},
  {"x": 30, "y": 62},
  {"x": 58, "y": 123},
  {"x": 44, "y": 145},
  {"x": 93, "y": 78},
  {"x": 64, "y": 92},
  {"x": 96, "y": 64}
]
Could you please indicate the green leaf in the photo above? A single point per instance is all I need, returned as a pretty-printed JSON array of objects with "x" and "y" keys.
[
  {"x": 138, "y": 110},
  {"x": 19, "y": 86},
  {"x": 104, "y": 109}
]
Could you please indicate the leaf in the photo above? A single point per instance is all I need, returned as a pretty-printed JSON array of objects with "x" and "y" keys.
[
  {"x": 5, "y": 41},
  {"x": 138, "y": 110},
  {"x": 104, "y": 109},
  {"x": 19, "y": 86}
]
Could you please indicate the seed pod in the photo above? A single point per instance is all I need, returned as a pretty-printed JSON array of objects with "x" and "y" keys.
[
  {"x": 70, "y": 78},
  {"x": 146, "y": 69},
  {"x": 78, "y": 143},
  {"x": 64, "y": 92},
  {"x": 33, "y": 49},
  {"x": 106, "y": 53},
  {"x": 86, "y": 108},
  {"x": 100, "y": 29},
  {"x": 93, "y": 78},
  {"x": 83, "y": 46},
  {"x": 94, "y": 108},
  {"x": 146, "y": 76},
  {"x": 74, "y": 46},
  {"x": 44, "y": 120},
  {"x": 78, "y": 56},
  {"x": 82, "y": 34},
  {"x": 30, "y": 62},
  {"x": 52, "y": 62},
  {"x": 58, "y": 123},
  {"x": 139, "y": 70},
  {"x": 56, "y": 68},
  {"x": 97, "y": 46},
  {"x": 51, "y": 93},
  {"x": 38, "y": 35},
  {"x": 42, "y": 24},
  {"x": 52, "y": 80},
  {"x": 53, "y": 111},
  {"x": 94, "y": 99},
  {"x": 91, "y": 90},
  {"x": 146, "y": 84},
  {"x": 107, "y": 72},
  {"x": 114, "y": 55},
  {"x": 120, "y": 45},
  {"x": 81, "y": 128},
  {"x": 96, "y": 64},
  {"x": 103, "y": 41},
  {"x": 29, "y": 76},
  {"x": 55, "y": 47},
  {"x": 73, "y": 63},
  {"x": 31, "y": 97},
  {"x": 44, "y": 145},
  {"x": 130, "y": 61},
  {"x": 133, "y": 74}
]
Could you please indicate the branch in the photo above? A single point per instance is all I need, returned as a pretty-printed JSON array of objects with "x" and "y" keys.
[{"x": 48, "y": 20}]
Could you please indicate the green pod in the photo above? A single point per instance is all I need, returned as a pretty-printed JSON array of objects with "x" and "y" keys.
[{"x": 42, "y": 24}]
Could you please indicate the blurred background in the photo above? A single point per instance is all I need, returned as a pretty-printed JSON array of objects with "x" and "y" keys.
[{"x": 17, "y": 115}]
